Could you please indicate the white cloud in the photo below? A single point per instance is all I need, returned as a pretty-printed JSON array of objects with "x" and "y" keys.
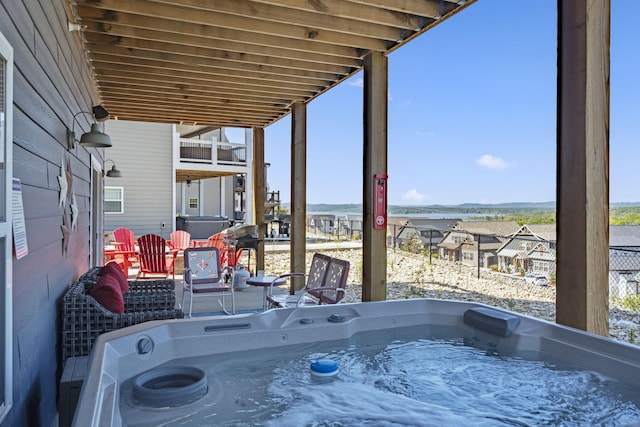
[
  {"x": 359, "y": 82},
  {"x": 414, "y": 196},
  {"x": 492, "y": 162}
]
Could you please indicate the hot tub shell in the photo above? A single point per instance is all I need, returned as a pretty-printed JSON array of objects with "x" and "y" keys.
[{"x": 123, "y": 354}]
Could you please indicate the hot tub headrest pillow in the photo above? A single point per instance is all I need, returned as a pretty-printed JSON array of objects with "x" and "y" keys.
[
  {"x": 107, "y": 292},
  {"x": 112, "y": 268}
]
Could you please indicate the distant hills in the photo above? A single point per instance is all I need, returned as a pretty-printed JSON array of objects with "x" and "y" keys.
[{"x": 479, "y": 208}]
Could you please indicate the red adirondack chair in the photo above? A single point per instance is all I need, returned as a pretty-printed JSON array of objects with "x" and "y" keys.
[
  {"x": 124, "y": 253},
  {"x": 179, "y": 240},
  {"x": 154, "y": 258}
]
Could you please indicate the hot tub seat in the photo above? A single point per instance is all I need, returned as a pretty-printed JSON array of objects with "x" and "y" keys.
[{"x": 84, "y": 319}]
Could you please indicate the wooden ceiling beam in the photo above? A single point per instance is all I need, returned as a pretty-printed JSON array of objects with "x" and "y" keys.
[
  {"x": 115, "y": 63},
  {"x": 124, "y": 55},
  {"x": 433, "y": 9},
  {"x": 365, "y": 12},
  {"x": 159, "y": 73},
  {"x": 209, "y": 121},
  {"x": 252, "y": 22},
  {"x": 137, "y": 47},
  {"x": 211, "y": 31},
  {"x": 218, "y": 102},
  {"x": 220, "y": 112},
  {"x": 149, "y": 108},
  {"x": 203, "y": 88},
  {"x": 275, "y": 15},
  {"x": 187, "y": 93},
  {"x": 117, "y": 32}
]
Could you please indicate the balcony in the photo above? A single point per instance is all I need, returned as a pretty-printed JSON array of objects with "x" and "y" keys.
[
  {"x": 215, "y": 153},
  {"x": 200, "y": 159}
]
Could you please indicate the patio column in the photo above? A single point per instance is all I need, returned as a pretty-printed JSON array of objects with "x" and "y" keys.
[
  {"x": 298, "y": 192},
  {"x": 223, "y": 196},
  {"x": 583, "y": 165},
  {"x": 374, "y": 245},
  {"x": 259, "y": 191}
]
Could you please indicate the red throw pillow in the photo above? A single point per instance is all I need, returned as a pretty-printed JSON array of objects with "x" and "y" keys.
[
  {"x": 114, "y": 269},
  {"x": 107, "y": 292}
]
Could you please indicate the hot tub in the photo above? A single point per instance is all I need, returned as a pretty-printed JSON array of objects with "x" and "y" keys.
[{"x": 254, "y": 369}]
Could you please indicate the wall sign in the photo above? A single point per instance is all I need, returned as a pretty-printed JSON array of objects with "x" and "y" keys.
[{"x": 19, "y": 229}]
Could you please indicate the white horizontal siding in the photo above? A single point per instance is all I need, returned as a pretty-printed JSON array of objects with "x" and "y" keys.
[{"x": 143, "y": 153}]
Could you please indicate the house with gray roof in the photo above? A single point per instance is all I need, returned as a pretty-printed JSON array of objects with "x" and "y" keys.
[
  {"x": 321, "y": 223},
  {"x": 430, "y": 231},
  {"x": 531, "y": 249},
  {"x": 476, "y": 243}
]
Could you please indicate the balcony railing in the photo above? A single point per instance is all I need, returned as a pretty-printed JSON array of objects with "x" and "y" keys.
[{"x": 197, "y": 151}]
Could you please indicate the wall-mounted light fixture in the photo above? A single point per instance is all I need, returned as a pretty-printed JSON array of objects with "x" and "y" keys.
[
  {"x": 95, "y": 137},
  {"x": 113, "y": 172},
  {"x": 74, "y": 26}
]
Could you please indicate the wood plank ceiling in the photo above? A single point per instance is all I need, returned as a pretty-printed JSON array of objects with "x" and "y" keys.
[{"x": 237, "y": 63}]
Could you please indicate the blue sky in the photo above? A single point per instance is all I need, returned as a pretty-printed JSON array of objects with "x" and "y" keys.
[{"x": 471, "y": 111}]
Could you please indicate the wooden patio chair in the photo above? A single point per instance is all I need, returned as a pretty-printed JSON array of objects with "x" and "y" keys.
[
  {"x": 229, "y": 255},
  {"x": 179, "y": 240},
  {"x": 154, "y": 258},
  {"x": 125, "y": 243}
]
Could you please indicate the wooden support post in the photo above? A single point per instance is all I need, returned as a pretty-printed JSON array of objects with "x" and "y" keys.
[
  {"x": 374, "y": 245},
  {"x": 583, "y": 165},
  {"x": 298, "y": 193},
  {"x": 259, "y": 192}
]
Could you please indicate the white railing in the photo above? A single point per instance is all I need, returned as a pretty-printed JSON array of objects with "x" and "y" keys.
[{"x": 208, "y": 152}]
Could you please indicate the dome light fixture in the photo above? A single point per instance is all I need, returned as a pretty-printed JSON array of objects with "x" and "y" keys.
[
  {"x": 114, "y": 172},
  {"x": 95, "y": 137}
]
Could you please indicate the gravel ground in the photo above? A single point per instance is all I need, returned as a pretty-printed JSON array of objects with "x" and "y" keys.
[{"x": 411, "y": 276}]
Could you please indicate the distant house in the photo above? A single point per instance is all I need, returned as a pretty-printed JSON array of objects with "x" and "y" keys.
[
  {"x": 476, "y": 243},
  {"x": 430, "y": 231},
  {"x": 624, "y": 260},
  {"x": 322, "y": 223},
  {"x": 353, "y": 226},
  {"x": 531, "y": 249},
  {"x": 394, "y": 225}
]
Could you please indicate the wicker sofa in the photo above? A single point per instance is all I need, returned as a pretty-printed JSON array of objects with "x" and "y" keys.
[{"x": 84, "y": 319}]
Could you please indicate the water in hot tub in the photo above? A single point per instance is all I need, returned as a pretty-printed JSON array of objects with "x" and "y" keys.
[{"x": 416, "y": 382}]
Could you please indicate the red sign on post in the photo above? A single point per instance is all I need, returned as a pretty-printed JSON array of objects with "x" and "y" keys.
[{"x": 380, "y": 203}]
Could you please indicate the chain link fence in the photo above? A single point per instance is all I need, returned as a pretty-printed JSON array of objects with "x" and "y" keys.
[{"x": 624, "y": 271}]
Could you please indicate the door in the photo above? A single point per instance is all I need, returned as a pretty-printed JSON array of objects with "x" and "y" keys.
[
  {"x": 6, "y": 224},
  {"x": 97, "y": 224}
]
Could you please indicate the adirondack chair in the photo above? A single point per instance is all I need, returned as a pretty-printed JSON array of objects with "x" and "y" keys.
[
  {"x": 124, "y": 240},
  {"x": 229, "y": 255},
  {"x": 179, "y": 240},
  {"x": 154, "y": 258},
  {"x": 125, "y": 252}
]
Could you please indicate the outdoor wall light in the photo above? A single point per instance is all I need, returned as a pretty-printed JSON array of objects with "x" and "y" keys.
[
  {"x": 113, "y": 172},
  {"x": 95, "y": 137}
]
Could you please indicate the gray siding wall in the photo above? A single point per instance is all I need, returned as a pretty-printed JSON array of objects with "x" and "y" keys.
[
  {"x": 143, "y": 153},
  {"x": 51, "y": 84},
  {"x": 211, "y": 196}
]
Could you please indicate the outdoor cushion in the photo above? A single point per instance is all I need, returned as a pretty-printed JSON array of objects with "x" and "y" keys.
[
  {"x": 114, "y": 269},
  {"x": 107, "y": 292}
]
